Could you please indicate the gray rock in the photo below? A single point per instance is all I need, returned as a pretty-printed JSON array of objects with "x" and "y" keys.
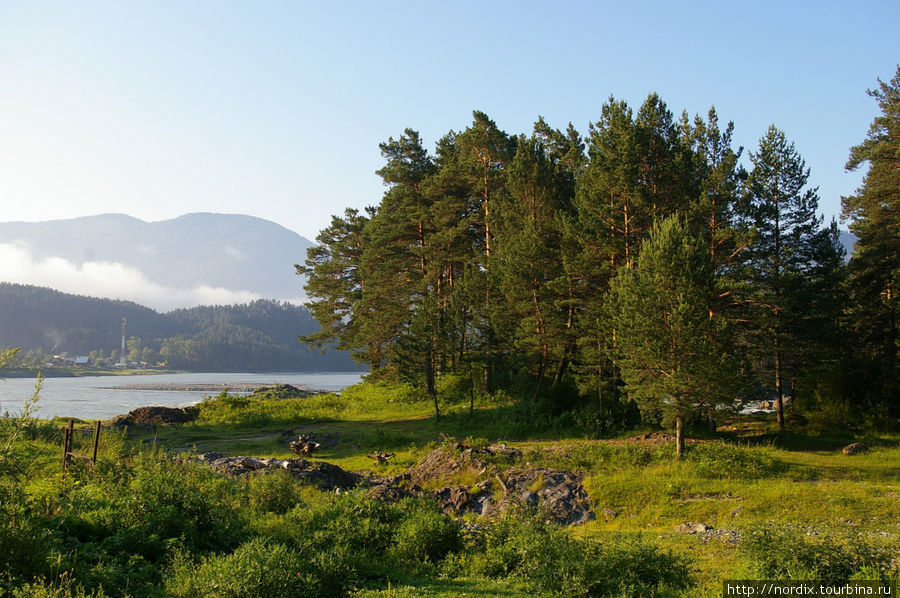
[
  {"x": 692, "y": 528},
  {"x": 855, "y": 448}
]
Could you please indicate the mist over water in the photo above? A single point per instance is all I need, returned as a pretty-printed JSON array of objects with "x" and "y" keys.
[{"x": 90, "y": 397}]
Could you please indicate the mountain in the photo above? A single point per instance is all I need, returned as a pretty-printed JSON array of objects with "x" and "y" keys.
[
  {"x": 256, "y": 336},
  {"x": 190, "y": 260},
  {"x": 848, "y": 241}
]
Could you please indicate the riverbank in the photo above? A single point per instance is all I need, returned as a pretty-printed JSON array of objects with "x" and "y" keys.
[
  {"x": 230, "y": 387},
  {"x": 67, "y": 372},
  {"x": 91, "y": 397}
]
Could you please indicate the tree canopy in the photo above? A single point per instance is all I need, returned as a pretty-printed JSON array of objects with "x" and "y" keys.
[{"x": 516, "y": 261}]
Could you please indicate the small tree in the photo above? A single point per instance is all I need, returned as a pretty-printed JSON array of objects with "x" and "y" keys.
[{"x": 670, "y": 346}]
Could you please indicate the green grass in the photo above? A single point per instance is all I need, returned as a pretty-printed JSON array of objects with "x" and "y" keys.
[{"x": 806, "y": 497}]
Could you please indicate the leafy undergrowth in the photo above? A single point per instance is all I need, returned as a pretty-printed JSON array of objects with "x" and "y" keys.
[{"x": 143, "y": 524}]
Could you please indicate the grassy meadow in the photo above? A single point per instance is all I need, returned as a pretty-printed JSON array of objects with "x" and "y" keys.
[{"x": 145, "y": 523}]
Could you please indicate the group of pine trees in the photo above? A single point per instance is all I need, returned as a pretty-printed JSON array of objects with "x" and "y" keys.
[{"x": 642, "y": 261}]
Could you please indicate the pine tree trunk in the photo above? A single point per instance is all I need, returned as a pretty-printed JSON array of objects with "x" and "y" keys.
[
  {"x": 600, "y": 390},
  {"x": 429, "y": 383},
  {"x": 679, "y": 437},
  {"x": 540, "y": 376},
  {"x": 561, "y": 371},
  {"x": 779, "y": 402},
  {"x": 711, "y": 421}
]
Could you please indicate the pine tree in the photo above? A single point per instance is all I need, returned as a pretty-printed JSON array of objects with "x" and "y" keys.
[
  {"x": 782, "y": 211},
  {"x": 672, "y": 355},
  {"x": 874, "y": 215},
  {"x": 720, "y": 180},
  {"x": 528, "y": 268},
  {"x": 478, "y": 161},
  {"x": 397, "y": 262},
  {"x": 334, "y": 286}
]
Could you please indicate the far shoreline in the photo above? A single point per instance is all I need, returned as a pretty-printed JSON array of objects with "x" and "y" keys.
[{"x": 62, "y": 372}]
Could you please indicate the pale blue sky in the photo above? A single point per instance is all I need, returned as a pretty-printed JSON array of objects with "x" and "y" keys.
[{"x": 276, "y": 109}]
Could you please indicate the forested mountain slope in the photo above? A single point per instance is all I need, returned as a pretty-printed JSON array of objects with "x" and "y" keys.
[{"x": 258, "y": 336}]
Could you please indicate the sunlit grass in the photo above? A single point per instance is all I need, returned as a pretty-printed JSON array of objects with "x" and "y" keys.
[{"x": 747, "y": 477}]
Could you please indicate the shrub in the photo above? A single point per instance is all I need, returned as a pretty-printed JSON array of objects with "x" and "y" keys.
[
  {"x": 523, "y": 546},
  {"x": 454, "y": 388},
  {"x": 272, "y": 492},
  {"x": 62, "y": 587},
  {"x": 719, "y": 460},
  {"x": 256, "y": 569},
  {"x": 426, "y": 535},
  {"x": 786, "y": 553},
  {"x": 24, "y": 551},
  {"x": 615, "y": 416}
]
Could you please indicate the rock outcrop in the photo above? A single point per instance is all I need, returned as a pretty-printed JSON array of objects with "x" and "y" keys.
[
  {"x": 148, "y": 417},
  {"x": 855, "y": 448},
  {"x": 321, "y": 474},
  {"x": 558, "y": 493}
]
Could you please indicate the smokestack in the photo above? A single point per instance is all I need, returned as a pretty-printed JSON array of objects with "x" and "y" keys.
[{"x": 122, "y": 361}]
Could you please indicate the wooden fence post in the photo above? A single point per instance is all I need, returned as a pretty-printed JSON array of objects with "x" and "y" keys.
[{"x": 96, "y": 445}]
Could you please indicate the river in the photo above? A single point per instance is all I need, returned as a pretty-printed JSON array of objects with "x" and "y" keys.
[{"x": 91, "y": 397}]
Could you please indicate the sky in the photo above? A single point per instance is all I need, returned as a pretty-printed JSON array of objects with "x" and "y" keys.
[{"x": 276, "y": 109}]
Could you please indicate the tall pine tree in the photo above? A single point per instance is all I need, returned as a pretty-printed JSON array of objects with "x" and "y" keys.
[
  {"x": 874, "y": 215},
  {"x": 782, "y": 211}
]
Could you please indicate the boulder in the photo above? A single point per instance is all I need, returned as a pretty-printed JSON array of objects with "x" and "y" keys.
[
  {"x": 560, "y": 492},
  {"x": 324, "y": 475},
  {"x": 280, "y": 391},
  {"x": 148, "y": 417},
  {"x": 693, "y": 528},
  {"x": 855, "y": 448}
]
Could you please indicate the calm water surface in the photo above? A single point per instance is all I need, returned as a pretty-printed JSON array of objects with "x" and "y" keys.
[{"x": 91, "y": 398}]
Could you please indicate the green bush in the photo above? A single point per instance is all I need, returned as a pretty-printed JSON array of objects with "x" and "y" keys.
[
  {"x": 256, "y": 569},
  {"x": 719, "y": 460},
  {"x": 545, "y": 556},
  {"x": 24, "y": 551},
  {"x": 349, "y": 527},
  {"x": 786, "y": 553},
  {"x": 62, "y": 587},
  {"x": 272, "y": 492},
  {"x": 615, "y": 416},
  {"x": 453, "y": 388},
  {"x": 426, "y": 535}
]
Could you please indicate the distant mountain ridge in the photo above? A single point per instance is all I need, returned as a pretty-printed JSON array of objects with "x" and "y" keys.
[
  {"x": 243, "y": 254},
  {"x": 257, "y": 336},
  {"x": 848, "y": 241}
]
